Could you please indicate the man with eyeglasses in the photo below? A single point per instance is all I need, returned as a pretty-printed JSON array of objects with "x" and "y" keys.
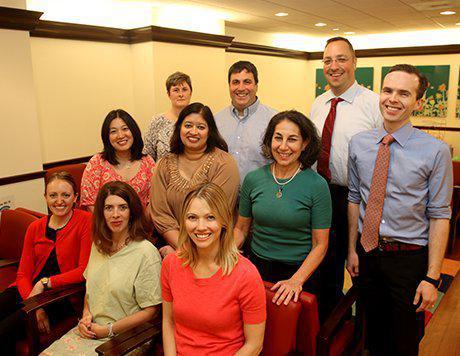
[{"x": 346, "y": 109}]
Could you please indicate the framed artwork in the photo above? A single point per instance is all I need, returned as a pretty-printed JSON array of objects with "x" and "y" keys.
[
  {"x": 364, "y": 77},
  {"x": 436, "y": 95}
]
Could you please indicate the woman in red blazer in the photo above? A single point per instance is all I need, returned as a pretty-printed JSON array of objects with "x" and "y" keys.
[{"x": 55, "y": 253}]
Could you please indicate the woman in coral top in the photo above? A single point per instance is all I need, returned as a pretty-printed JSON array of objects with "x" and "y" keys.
[
  {"x": 122, "y": 159},
  {"x": 55, "y": 253},
  {"x": 213, "y": 298}
]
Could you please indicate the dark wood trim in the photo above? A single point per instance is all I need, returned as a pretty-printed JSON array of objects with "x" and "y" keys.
[
  {"x": 64, "y": 162},
  {"x": 249, "y": 48},
  {"x": 438, "y": 128},
  {"x": 399, "y": 51},
  {"x": 18, "y": 19},
  {"x": 22, "y": 178},
  {"x": 71, "y": 31},
  {"x": 170, "y": 35}
]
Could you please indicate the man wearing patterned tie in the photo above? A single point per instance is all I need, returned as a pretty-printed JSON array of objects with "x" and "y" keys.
[
  {"x": 341, "y": 112},
  {"x": 400, "y": 186}
]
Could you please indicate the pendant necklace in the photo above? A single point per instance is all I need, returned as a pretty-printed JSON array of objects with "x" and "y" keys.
[{"x": 279, "y": 193}]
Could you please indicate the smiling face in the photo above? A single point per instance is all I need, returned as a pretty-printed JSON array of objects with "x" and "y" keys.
[
  {"x": 194, "y": 132},
  {"x": 398, "y": 99},
  {"x": 116, "y": 214},
  {"x": 243, "y": 89},
  {"x": 287, "y": 144},
  {"x": 202, "y": 226},
  {"x": 339, "y": 66},
  {"x": 60, "y": 197},
  {"x": 120, "y": 135},
  {"x": 180, "y": 95}
]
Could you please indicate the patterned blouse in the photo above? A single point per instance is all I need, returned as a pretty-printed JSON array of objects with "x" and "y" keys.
[
  {"x": 99, "y": 171},
  {"x": 156, "y": 141}
]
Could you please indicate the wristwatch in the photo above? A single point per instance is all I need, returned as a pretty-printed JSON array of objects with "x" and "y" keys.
[
  {"x": 435, "y": 282},
  {"x": 45, "y": 281}
]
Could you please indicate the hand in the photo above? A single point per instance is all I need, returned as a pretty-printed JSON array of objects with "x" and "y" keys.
[
  {"x": 43, "y": 322},
  {"x": 286, "y": 291},
  {"x": 100, "y": 331},
  {"x": 84, "y": 327},
  {"x": 166, "y": 250},
  {"x": 353, "y": 264},
  {"x": 37, "y": 289},
  {"x": 428, "y": 293}
]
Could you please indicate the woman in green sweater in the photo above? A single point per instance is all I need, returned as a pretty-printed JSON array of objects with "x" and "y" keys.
[{"x": 289, "y": 206}]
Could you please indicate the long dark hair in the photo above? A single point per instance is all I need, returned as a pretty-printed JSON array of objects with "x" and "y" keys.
[
  {"x": 214, "y": 137},
  {"x": 138, "y": 144},
  {"x": 138, "y": 226}
]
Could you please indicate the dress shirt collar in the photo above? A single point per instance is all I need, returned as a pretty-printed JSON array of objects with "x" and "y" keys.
[
  {"x": 348, "y": 96},
  {"x": 401, "y": 135},
  {"x": 251, "y": 109}
]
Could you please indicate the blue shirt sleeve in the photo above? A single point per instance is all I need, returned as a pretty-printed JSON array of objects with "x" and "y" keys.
[{"x": 353, "y": 181}]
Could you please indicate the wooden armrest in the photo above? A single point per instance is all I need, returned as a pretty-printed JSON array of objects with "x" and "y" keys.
[
  {"x": 131, "y": 339},
  {"x": 9, "y": 262},
  {"x": 51, "y": 296},
  {"x": 338, "y": 314}
]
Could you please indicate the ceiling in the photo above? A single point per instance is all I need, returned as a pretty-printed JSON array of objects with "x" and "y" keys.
[{"x": 360, "y": 16}]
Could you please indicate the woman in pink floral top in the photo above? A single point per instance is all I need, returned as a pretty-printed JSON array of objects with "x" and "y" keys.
[{"x": 121, "y": 160}]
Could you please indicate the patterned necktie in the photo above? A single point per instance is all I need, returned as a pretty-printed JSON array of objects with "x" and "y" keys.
[
  {"x": 374, "y": 208},
  {"x": 326, "y": 138}
]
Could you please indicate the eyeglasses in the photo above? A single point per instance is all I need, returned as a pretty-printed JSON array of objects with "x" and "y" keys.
[{"x": 339, "y": 60}]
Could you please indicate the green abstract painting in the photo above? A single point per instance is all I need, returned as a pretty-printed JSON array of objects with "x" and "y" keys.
[
  {"x": 435, "y": 104},
  {"x": 364, "y": 77},
  {"x": 457, "y": 115}
]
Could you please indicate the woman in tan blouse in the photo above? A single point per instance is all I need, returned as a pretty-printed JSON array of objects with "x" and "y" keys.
[{"x": 198, "y": 154}]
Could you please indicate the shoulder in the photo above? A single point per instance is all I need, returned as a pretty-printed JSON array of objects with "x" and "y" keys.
[
  {"x": 148, "y": 160},
  {"x": 363, "y": 136},
  {"x": 171, "y": 261},
  {"x": 147, "y": 250},
  {"x": 367, "y": 99},
  {"x": 222, "y": 156},
  {"x": 39, "y": 224},
  {"x": 267, "y": 108},
  {"x": 224, "y": 112},
  {"x": 312, "y": 177},
  {"x": 245, "y": 270},
  {"x": 96, "y": 159},
  {"x": 321, "y": 99},
  {"x": 257, "y": 174},
  {"x": 82, "y": 215},
  {"x": 432, "y": 143}
]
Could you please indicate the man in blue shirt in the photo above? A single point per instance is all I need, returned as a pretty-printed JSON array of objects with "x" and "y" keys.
[
  {"x": 396, "y": 246},
  {"x": 243, "y": 123}
]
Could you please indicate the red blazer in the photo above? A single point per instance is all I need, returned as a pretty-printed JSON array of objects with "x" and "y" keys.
[{"x": 73, "y": 246}]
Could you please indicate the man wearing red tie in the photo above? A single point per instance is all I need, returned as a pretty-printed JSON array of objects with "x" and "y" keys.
[
  {"x": 341, "y": 112},
  {"x": 400, "y": 186}
]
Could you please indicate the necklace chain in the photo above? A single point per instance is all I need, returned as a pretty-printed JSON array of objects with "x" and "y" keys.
[{"x": 279, "y": 193}]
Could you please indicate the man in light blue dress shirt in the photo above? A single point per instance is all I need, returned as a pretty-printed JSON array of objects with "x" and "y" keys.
[
  {"x": 400, "y": 277},
  {"x": 243, "y": 123}
]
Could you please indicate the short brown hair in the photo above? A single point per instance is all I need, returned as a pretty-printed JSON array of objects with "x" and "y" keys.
[
  {"x": 62, "y": 175},
  {"x": 138, "y": 228},
  {"x": 177, "y": 78},
  {"x": 339, "y": 38},
  {"x": 410, "y": 69},
  {"x": 215, "y": 197}
]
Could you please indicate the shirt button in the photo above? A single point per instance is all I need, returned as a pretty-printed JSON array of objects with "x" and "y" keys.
[{"x": 383, "y": 221}]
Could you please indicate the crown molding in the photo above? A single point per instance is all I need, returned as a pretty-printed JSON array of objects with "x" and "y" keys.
[
  {"x": 22, "y": 178},
  {"x": 18, "y": 19},
  {"x": 249, "y": 48}
]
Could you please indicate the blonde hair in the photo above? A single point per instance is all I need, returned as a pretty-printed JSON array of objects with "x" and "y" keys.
[{"x": 214, "y": 196}]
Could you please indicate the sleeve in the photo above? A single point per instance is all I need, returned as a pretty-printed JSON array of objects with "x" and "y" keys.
[
  {"x": 91, "y": 181},
  {"x": 160, "y": 211},
  {"x": 165, "y": 274},
  {"x": 226, "y": 176},
  {"x": 147, "y": 287},
  {"x": 76, "y": 275},
  {"x": 27, "y": 263},
  {"x": 353, "y": 179},
  {"x": 245, "y": 204},
  {"x": 321, "y": 214},
  {"x": 151, "y": 139},
  {"x": 440, "y": 185},
  {"x": 252, "y": 297}
]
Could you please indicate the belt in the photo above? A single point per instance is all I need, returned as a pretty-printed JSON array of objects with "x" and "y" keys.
[{"x": 386, "y": 244}]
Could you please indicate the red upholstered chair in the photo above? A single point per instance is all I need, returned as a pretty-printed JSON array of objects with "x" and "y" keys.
[
  {"x": 13, "y": 227},
  {"x": 76, "y": 170},
  {"x": 37, "y": 214}
]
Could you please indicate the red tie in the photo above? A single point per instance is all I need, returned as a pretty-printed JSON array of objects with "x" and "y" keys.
[
  {"x": 326, "y": 138},
  {"x": 374, "y": 208}
]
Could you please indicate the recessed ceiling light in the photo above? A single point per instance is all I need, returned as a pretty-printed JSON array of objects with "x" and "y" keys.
[
  {"x": 320, "y": 24},
  {"x": 448, "y": 13},
  {"x": 457, "y": 24},
  {"x": 281, "y": 14},
  {"x": 335, "y": 29},
  {"x": 349, "y": 33}
]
